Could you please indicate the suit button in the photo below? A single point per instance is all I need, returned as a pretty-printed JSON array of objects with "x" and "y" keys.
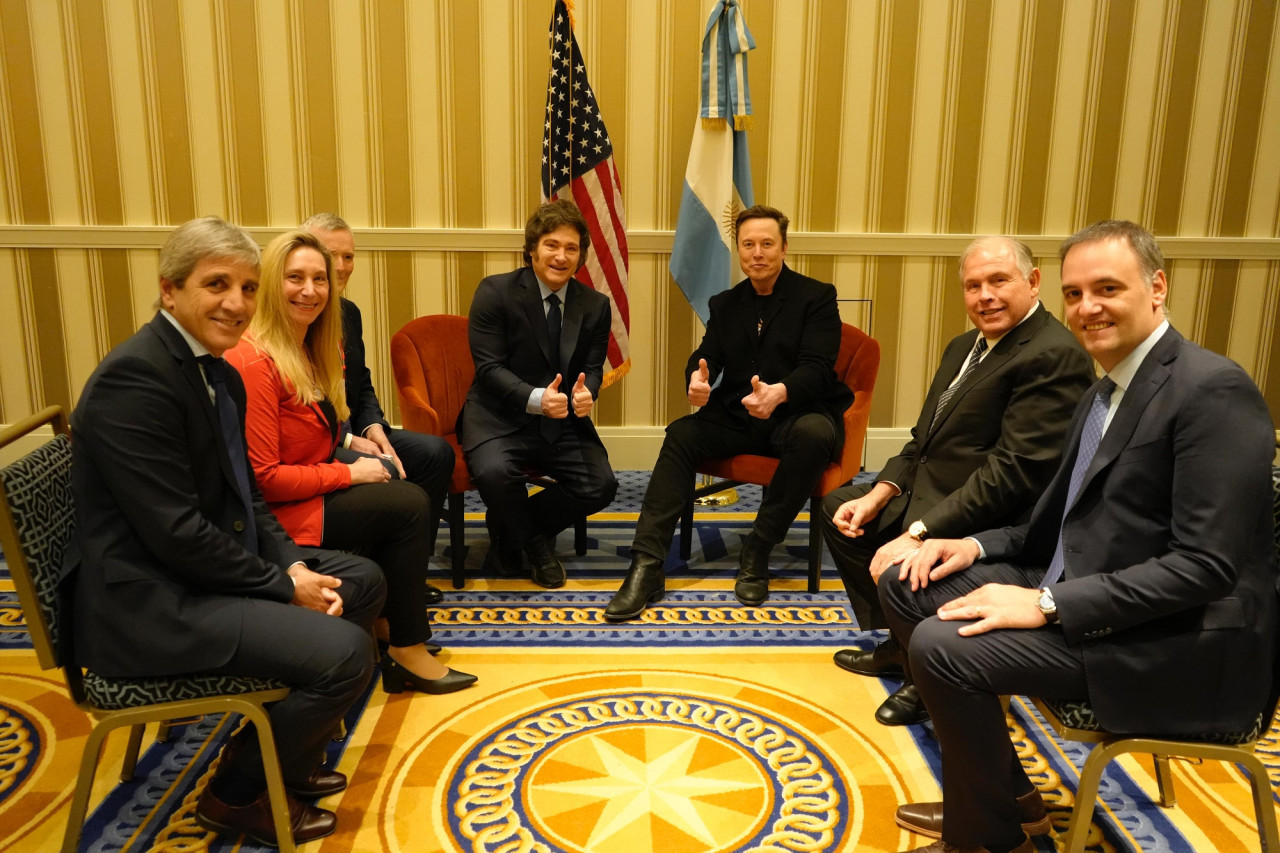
[
  {"x": 238, "y": 526},
  {"x": 924, "y": 459}
]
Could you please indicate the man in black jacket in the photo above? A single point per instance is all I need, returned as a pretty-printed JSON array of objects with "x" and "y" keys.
[
  {"x": 771, "y": 342},
  {"x": 423, "y": 459}
]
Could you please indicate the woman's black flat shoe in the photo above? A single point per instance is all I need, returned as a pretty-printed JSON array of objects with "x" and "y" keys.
[{"x": 396, "y": 678}]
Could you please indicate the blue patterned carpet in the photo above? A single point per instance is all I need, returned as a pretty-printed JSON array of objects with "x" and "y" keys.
[{"x": 735, "y": 687}]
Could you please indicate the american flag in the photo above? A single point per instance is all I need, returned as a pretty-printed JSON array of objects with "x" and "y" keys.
[{"x": 577, "y": 163}]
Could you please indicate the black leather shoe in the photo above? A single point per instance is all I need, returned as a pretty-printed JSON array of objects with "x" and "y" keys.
[
  {"x": 322, "y": 782},
  {"x": 502, "y": 562},
  {"x": 751, "y": 586},
  {"x": 434, "y": 595},
  {"x": 926, "y": 818},
  {"x": 645, "y": 584},
  {"x": 547, "y": 570},
  {"x": 885, "y": 659},
  {"x": 396, "y": 678},
  {"x": 903, "y": 708},
  {"x": 254, "y": 820}
]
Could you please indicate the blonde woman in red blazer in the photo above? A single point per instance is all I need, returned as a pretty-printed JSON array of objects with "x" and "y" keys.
[{"x": 291, "y": 363}]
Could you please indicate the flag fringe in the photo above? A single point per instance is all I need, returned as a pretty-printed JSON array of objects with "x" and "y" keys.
[
  {"x": 746, "y": 122},
  {"x": 616, "y": 373},
  {"x": 568, "y": 5}
]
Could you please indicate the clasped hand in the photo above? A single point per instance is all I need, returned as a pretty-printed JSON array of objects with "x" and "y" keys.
[{"x": 315, "y": 591}]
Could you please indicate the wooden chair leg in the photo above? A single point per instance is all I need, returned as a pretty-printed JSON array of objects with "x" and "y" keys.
[
  {"x": 84, "y": 786},
  {"x": 815, "y": 545},
  {"x": 130, "y": 763},
  {"x": 686, "y": 531},
  {"x": 457, "y": 539}
]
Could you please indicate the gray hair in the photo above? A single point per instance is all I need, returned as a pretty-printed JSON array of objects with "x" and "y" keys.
[
  {"x": 1021, "y": 252},
  {"x": 1144, "y": 245},
  {"x": 207, "y": 237},
  {"x": 325, "y": 222}
]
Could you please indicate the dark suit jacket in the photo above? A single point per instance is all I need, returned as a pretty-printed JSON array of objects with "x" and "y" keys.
[
  {"x": 507, "y": 330},
  {"x": 159, "y": 518},
  {"x": 1169, "y": 589},
  {"x": 362, "y": 399},
  {"x": 797, "y": 346},
  {"x": 999, "y": 439}
]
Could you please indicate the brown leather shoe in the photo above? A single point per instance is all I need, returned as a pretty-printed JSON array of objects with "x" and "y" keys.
[
  {"x": 942, "y": 847},
  {"x": 254, "y": 820},
  {"x": 322, "y": 782},
  {"x": 926, "y": 818}
]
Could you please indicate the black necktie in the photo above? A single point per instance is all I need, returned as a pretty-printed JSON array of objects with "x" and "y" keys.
[
  {"x": 215, "y": 369},
  {"x": 553, "y": 329},
  {"x": 974, "y": 360},
  {"x": 1090, "y": 438}
]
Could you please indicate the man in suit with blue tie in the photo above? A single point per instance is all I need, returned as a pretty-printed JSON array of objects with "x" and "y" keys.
[
  {"x": 1144, "y": 580},
  {"x": 538, "y": 338},
  {"x": 182, "y": 568},
  {"x": 987, "y": 441}
]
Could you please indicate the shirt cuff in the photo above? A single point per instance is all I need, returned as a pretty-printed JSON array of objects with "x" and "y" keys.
[
  {"x": 982, "y": 552},
  {"x": 534, "y": 405}
]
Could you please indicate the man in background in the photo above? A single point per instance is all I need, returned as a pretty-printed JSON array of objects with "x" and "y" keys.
[
  {"x": 988, "y": 439},
  {"x": 426, "y": 460}
]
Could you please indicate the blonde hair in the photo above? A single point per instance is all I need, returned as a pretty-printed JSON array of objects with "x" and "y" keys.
[{"x": 273, "y": 333}]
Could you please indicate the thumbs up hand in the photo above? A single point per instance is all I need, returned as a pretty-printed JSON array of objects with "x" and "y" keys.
[
  {"x": 700, "y": 384},
  {"x": 555, "y": 403},
  {"x": 764, "y": 398},
  {"x": 582, "y": 399}
]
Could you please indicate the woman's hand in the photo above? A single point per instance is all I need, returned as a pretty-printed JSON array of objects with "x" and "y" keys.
[{"x": 368, "y": 470}]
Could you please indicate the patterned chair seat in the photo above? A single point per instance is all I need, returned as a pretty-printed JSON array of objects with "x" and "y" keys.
[
  {"x": 111, "y": 694},
  {"x": 1079, "y": 716}
]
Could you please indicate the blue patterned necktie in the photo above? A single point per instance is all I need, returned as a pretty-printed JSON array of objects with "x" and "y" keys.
[
  {"x": 215, "y": 369},
  {"x": 1090, "y": 437},
  {"x": 974, "y": 360}
]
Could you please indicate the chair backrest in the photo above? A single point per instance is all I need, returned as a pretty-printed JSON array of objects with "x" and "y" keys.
[
  {"x": 857, "y": 364},
  {"x": 37, "y": 521},
  {"x": 431, "y": 359}
]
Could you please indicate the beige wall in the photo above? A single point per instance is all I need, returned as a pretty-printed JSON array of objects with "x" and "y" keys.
[{"x": 890, "y": 131}]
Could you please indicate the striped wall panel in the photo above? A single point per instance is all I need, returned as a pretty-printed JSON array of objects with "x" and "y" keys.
[{"x": 890, "y": 131}]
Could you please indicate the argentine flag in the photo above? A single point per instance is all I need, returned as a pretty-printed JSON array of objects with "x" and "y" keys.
[{"x": 717, "y": 180}]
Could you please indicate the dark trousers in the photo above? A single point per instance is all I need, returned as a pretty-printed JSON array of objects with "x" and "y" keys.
[
  {"x": 428, "y": 462},
  {"x": 584, "y": 482},
  {"x": 853, "y": 556},
  {"x": 961, "y": 680},
  {"x": 803, "y": 445},
  {"x": 393, "y": 525},
  {"x": 326, "y": 660}
]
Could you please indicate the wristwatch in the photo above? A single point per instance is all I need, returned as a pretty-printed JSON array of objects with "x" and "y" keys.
[
  {"x": 1047, "y": 606},
  {"x": 918, "y": 531}
]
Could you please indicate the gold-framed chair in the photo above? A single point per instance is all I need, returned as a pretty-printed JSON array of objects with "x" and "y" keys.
[
  {"x": 37, "y": 521},
  {"x": 1075, "y": 720}
]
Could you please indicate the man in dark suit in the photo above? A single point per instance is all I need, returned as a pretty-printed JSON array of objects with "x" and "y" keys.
[
  {"x": 771, "y": 343},
  {"x": 419, "y": 458},
  {"x": 1144, "y": 580},
  {"x": 988, "y": 439},
  {"x": 182, "y": 567},
  {"x": 539, "y": 339}
]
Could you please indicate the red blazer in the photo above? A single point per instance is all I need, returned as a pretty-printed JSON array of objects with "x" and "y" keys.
[{"x": 289, "y": 446}]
